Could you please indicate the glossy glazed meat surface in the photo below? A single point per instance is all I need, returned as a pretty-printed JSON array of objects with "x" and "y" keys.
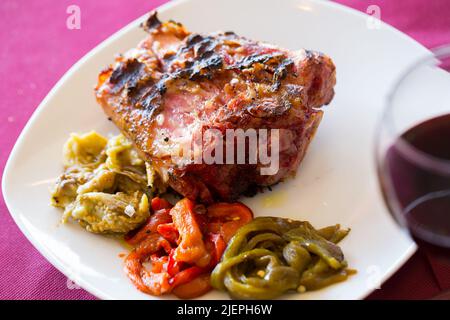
[{"x": 176, "y": 84}]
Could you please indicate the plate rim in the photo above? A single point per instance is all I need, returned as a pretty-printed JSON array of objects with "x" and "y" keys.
[{"x": 7, "y": 177}]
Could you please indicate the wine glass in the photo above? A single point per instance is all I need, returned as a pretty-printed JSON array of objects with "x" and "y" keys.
[{"x": 413, "y": 150}]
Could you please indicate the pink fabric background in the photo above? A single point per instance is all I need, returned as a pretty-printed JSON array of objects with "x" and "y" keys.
[{"x": 37, "y": 49}]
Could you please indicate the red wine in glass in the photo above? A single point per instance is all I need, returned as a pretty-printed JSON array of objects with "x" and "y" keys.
[
  {"x": 420, "y": 184},
  {"x": 413, "y": 154}
]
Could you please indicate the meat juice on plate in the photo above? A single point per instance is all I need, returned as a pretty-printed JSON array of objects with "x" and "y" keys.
[{"x": 422, "y": 190}]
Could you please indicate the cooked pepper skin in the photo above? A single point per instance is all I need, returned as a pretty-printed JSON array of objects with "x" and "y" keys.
[
  {"x": 182, "y": 245},
  {"x": 270, "y": 256},
  {"x": 227, "y": 218},
  {"x": 191, "y": 248},
  {"x": 139, "y": 275}
]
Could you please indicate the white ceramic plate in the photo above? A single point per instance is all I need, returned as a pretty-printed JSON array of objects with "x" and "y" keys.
[{"x": 336, "y": 182}]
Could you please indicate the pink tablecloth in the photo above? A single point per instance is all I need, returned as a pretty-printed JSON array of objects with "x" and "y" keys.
[{"x": 37, "y": 48}]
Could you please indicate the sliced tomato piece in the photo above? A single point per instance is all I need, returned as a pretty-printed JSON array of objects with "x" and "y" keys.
[{"x": 194, "y": 288}]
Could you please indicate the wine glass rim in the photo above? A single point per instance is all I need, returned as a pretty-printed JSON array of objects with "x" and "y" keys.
[{"x": 422, "y": 158}]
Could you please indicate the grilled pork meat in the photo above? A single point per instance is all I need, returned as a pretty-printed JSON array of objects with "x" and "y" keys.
[{"x": 177, "y": 84}]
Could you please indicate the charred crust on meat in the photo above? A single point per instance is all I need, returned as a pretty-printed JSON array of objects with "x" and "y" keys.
[
  {"x": 251, "y": 191},
  {"x": 205, "y": 65},
  {"x": 176, "y": 23},
  {"x": 151, "y": 101},
  {"x": 127, "y": 74},
  {"x": 153, "y": 26},
  {"x": 148, "y": 95},
  {"x": 199, "y": 44},
  {"x": 169, "y": 56},
  {"x": 202, "y": 66},
  {"x": 152, "y": 22},
  {"x": 281, "y": 73},
  {"x": 208, "y": 44},
  {"x": 192, "y": 40},
  {"x": 249, "y": 61},
  {"x": 222, "y": 81},
  {"x": 269, "y": 109},
  {"x": 277, "y": 64},
  {"x": 206, "y": 62},
  {"x": 140, "y": 89},
  {"x": 309, "y": 54}
]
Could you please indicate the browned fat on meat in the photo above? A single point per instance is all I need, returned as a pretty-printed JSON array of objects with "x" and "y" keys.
[{"x": 176, "y": 84}]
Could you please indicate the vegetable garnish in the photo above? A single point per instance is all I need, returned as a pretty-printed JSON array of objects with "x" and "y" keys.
[
  {"x": 104, "y": 186},
  {"x": 183, "y": 245},
  {"x": 270, "y": 256}
]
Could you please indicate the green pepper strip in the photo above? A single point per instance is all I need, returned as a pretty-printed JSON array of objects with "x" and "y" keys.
[{"x": 270, "y": 256}]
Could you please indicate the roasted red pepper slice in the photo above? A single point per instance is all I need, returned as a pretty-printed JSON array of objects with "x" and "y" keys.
[
  {"x": 182, "y": 245},
  {"x": 168, "y": 231},
  {"x": 158, "y": 263},
  {"x": 186, "y": 275},
  {"x": 194, "y": 288},
  {"x": 173, "y": 266},
  {"x": 216, "y": 245},
  {"x": 159, "y": 217},
  {"x": 227, "y": 218},
  {"x": 139, "y": 275},
  {"x": 191, "y": 248},
  {"x": 160, "y": 203}
]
